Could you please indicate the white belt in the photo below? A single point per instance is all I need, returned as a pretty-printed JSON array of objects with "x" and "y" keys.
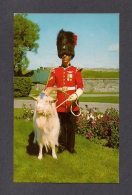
[{"x": 67, "y": 88}]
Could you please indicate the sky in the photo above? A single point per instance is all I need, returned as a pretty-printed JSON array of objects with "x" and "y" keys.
[{"x": 97, "y": 44}]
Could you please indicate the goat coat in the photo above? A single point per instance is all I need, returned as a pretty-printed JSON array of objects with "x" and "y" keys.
[{"x": 46, "y": 125}]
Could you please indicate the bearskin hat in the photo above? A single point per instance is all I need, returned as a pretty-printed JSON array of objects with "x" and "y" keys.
[{"x": 66, "y": 42}]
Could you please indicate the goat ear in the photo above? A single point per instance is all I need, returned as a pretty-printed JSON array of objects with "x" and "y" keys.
[{"x": 34, "y": 98}]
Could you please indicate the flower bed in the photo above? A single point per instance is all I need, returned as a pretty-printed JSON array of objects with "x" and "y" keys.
[
  {"x": 98, "y": 126},
  {"x": 27, "y": 113}
]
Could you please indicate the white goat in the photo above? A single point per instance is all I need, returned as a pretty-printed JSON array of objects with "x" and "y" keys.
[{"x": 46, "y": 124}]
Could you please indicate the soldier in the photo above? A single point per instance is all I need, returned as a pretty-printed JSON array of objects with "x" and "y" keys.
[{"x": 68, "y": 79}]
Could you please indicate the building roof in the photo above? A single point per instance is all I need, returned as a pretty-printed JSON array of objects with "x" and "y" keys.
[{"x": 40, "y": 76}]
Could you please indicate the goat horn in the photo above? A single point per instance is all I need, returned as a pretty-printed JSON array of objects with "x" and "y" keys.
[{"x": 34, "y": 98}]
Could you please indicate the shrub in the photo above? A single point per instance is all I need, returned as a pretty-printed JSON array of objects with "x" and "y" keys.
[
  {"x": 27, "y": 112},
  {"x": 96, "y": 126},
  {"x": 22, "y": 86},
  {"x": 112, "y": 124}
]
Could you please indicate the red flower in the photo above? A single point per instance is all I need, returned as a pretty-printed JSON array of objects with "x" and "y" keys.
[
  {"x": 89, "y": 135},
  {"x": 93, "y": 125},
  {"x": 91, "y": 119},
  {"x": 106, "y": 132},
  {"x": 77, "y": 118}
]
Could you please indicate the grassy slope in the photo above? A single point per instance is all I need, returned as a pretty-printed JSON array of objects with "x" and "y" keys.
[
  {"x": 92, "y": 163},
  {"x": 99, "y": 74},
  {"x": 95, "y": 74},
  {"x": 107, "y": 99}
]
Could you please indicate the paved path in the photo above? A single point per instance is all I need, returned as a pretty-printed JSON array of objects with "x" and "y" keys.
[
  {"x": 102, "y": 106},
  {"x": 98, "y": 95}
]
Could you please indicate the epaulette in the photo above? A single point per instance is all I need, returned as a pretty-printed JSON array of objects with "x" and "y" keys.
[{"x": 79, "y": 69}]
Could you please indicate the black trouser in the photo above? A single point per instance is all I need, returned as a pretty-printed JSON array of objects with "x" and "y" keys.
[{"x": 68, "y": 128}]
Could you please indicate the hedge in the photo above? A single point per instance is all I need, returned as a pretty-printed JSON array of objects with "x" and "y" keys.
[{"x": 22, "y": 86}]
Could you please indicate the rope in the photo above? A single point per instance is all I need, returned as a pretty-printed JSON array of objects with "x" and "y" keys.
[
  {"x": 79, "y": 110},
  {"x": 61, "y": 103},
  {"x": 71, "y": 108}
]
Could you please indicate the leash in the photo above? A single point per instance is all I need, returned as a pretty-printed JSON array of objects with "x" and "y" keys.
[
  {"x": 71, "y": 107},
  {"x": 61, "y": 103},
  {"x": 79, "y": 110}
]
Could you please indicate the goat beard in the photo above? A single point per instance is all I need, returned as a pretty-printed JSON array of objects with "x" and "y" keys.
[{"x": 41, "y": 122}]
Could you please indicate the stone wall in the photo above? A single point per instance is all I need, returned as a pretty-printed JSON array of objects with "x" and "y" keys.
[
  {"x": 94, "y": 85},
  {"x": 101, "y": 85}
]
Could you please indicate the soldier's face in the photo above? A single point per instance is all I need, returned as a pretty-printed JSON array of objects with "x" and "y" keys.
[{"x": 66, "y": 60}]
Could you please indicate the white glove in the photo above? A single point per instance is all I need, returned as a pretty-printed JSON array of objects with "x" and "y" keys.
[
  {"x": 75, "y": 95},
  {"x": 72, "y": 97}
]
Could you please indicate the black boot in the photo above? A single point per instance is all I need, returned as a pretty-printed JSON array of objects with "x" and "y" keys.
[
  {"x": 61, "y": 149},
  {"x": 72, "y": 151}
]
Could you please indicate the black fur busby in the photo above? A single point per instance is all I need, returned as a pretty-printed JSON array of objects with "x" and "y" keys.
[{"x": 66, "y": 42}]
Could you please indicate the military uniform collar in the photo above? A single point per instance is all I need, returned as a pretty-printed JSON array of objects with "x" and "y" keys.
[{"x": 65, "y": 66}]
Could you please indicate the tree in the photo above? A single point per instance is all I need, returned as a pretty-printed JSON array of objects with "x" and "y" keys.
[{"x": 25, "y": 37}]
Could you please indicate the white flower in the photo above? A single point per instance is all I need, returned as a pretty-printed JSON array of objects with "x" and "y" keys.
[
  {"x": 32, "y": 111},
  {"x": 100, "y": 116},
  {"x": 27, "y": 119},
  {"x": 90, "y": 116}
]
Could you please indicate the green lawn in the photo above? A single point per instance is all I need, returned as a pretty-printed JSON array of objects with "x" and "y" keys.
[
  {"x": 94, "y": 74},
  {"x": 103, "y": 93},
  {"x": 92, "y": 164},
  {"x": 105, "y": 99},
  {"x": 99, "y": 74}
]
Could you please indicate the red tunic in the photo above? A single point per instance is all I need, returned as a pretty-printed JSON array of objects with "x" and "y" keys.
[{"x": 66, "y": 77}]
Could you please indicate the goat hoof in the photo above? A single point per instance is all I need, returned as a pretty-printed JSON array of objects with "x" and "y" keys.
[
  {"x": 55, "y": 157},
  {"x": 39, "y": 157}
]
